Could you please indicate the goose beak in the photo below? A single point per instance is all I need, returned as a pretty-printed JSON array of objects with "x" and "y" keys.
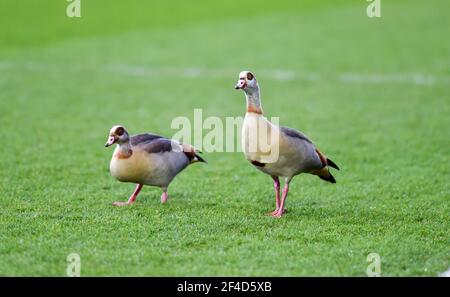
[
  {"x": 111, "y": 140},
  {"x": 240, "y": 85}
]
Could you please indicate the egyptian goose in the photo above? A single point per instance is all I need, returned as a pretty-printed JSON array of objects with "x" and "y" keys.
[
  {"x": 147, "y": 159},
  {"x": 277, "y": 151}
]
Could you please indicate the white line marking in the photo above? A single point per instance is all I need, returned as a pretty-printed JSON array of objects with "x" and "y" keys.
[
  {"x": 287, "y": 75},
  {"x": 275, "y": 74},
  {"x": 417, "y": 79}
]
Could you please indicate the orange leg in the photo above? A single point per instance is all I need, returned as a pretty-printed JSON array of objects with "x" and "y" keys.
[
  {"x": 164, "y": 197},
  {"x": 281, "y": 210},
  {"x": 276, "y": 186},
  {"x": 132, "y": 197}
]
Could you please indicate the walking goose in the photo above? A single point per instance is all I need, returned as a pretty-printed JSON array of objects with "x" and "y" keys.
[
  {"x": 147, "y": 159},
  {"x": 277, "y": 151}
]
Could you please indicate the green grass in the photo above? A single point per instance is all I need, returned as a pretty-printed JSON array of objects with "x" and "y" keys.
[{"x": 65, "y": 82}]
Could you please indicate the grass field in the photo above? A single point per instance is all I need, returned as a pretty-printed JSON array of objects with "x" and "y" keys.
[{"x": 372, "y": 93}]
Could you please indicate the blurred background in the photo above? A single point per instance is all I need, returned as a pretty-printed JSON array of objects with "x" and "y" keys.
[{"x": 373, "y": 93}]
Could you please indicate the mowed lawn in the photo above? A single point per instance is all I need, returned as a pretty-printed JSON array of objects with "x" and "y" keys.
[{"x": 372, "y": 93}]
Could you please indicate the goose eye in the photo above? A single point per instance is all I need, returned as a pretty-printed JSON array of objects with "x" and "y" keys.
[
  {"x": 119, "y": 131},
  {"x": 249, "y": 76}
]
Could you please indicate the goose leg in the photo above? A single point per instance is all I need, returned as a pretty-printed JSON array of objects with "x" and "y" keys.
[
  {"x": 281, "y": 210},
  {"x": 276, "y": 186},
  {"x": 164, "y": 196},
  {"x": 132, "y": 197}
]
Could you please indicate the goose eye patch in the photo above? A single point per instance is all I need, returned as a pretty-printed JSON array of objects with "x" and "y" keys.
[
  {"x": 119, "y": 131},
  {"x": 249, "y": 76}
]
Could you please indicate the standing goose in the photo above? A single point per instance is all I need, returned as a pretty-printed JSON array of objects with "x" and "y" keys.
[
  {"x": 277, "y": 151},
  {"x": 147, "y": 159}
]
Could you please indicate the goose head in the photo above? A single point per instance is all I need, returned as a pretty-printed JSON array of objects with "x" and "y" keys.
[
  {"x": 247, "y": 82},
  {"x": 117, "y": 134}
]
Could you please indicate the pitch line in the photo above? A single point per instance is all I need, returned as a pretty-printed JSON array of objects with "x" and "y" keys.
[{"x": 419, "y": 79}]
